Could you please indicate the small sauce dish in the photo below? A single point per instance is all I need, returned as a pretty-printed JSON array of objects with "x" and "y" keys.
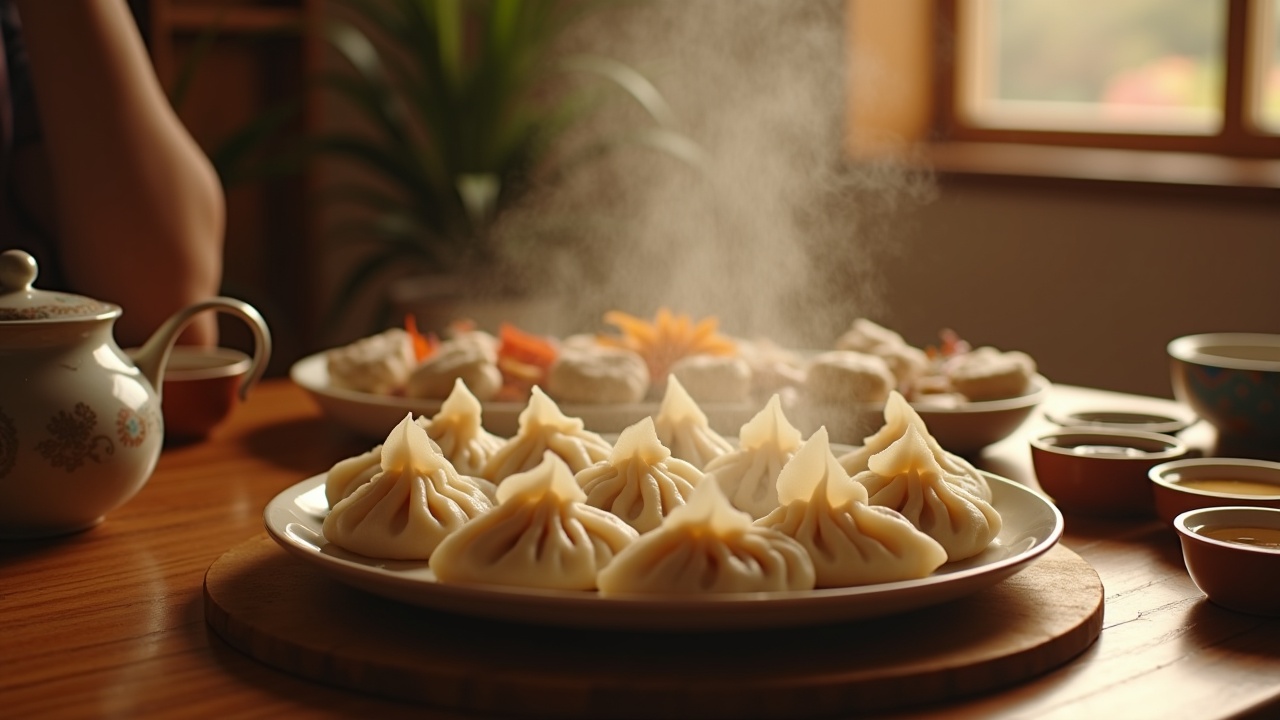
[
  {"x": 1196, "y": 483},
  {"x": 1099, "y": 471},
  {"x": 1232, "y": 554},
  {"x": 1156, "y": 422}
]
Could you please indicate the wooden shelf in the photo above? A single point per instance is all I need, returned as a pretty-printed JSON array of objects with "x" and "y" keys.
[
  {"x": 261, "y": 56},
  {"x": 235, "y": 19}
]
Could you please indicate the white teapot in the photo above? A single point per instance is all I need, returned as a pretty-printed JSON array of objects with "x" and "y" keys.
[{"x": 80, "y": 422}]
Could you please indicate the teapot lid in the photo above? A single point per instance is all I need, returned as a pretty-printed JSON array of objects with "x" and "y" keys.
[{"x": 19, "y": 302}]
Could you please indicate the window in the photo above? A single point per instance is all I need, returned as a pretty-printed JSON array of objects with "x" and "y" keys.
[
  {"x": 1270, "y": 67},
  {"x": 1188, "y": 75},
  {"x": 1151, "y": 91}
]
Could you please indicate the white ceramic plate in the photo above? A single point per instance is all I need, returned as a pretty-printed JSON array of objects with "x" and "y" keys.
[
  {"x": 964, "y": 429},
  {"x": 1032, "y": 525},
  {"x": 375, "y": 415}
]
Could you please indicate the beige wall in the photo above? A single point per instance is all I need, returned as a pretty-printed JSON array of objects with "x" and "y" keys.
[{"x": 1091, "y": 281}]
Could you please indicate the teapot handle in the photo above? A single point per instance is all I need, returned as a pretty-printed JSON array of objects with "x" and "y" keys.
[{"x": 152, "y": 357}]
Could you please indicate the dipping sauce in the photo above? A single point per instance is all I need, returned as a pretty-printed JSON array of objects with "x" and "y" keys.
[
  {"x": 1231, "y": 486},
  {"x": 1120, "y": 418},
  {"x": 1115, "y": 451},
  {"x": 1255, "y": 536}
]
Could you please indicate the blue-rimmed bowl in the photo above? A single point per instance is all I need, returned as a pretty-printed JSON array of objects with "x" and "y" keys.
[{"x": 1232, "y": 380}]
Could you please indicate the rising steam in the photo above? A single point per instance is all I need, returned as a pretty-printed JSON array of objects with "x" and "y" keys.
[{"x": 776, "y": 233}]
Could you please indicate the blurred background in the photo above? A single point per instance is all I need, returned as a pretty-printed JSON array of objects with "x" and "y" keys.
[{"x": 1081, "y": 181}]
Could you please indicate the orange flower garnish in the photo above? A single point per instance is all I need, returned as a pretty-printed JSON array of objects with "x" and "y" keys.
[
  {"x": 667, "y": 339},
  {"x": 424, "y": 346}
]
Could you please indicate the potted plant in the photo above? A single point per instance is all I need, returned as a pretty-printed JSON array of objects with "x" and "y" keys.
[{"x": 462, "y": 106}]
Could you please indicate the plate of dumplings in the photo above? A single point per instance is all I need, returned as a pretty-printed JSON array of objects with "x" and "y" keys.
[
  {"x": 971, "y": 397},
  {"x": 667, "y": 525},
  {"x": 369, "y": 414}
]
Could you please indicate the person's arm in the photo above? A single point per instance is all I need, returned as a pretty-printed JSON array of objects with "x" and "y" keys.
[{"x": 140, "y": 210}]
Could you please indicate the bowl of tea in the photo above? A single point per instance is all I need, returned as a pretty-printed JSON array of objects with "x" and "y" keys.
[
  {"x": 1100, "y": 471},
  {"x": 200, "y": 389},
  {"x": 1232, "y": 554},
  {"x": 1196, "y": 483}
]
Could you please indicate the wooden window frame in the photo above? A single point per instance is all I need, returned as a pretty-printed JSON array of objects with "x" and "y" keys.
[
  {"x": 1235, "y": 137},
  {"x": 901, "y": 96}
]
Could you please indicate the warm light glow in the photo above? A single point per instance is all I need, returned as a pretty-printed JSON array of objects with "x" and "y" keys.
[
  {"x": 1151, "y": 66},
  {"x": 1267, "y": 77}
]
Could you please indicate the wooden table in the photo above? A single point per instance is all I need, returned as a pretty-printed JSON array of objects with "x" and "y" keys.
[{"x": 110, "y": 622}]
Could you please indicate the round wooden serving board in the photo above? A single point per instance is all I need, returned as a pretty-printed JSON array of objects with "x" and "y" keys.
[{"x": 292, "y": 617}]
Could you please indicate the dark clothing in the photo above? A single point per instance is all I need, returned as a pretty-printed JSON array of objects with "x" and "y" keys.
[{"x": 20, "y": 131}]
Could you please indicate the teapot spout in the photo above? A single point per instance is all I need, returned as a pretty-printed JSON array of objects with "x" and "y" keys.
[{"x": 153, "y": 356}]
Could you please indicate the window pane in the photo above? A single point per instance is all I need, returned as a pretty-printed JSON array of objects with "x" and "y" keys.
[
  {"x": 1100, "y": 65},
  {"x": 1270, "y": 75}
]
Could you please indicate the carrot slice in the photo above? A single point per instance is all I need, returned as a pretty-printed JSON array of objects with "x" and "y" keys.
[
  {"x": 423, "y": 346},
  {"x": 525, "y": 347}
]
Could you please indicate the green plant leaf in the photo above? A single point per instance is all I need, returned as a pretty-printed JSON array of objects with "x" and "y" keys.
[
  {"x": 627, "y": 78},
  {"x": 450, "y": 30},
  {"x": 463, "y": 100}
]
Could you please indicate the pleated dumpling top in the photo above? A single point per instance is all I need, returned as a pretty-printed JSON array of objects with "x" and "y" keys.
[
  {"x": 749, "y": 475},
  {"x": 541, "y": 535},
  {"x": 708, "y": 546},
  {"x": 410, "y": 505},
  {"x": 907, "y": 477},
  {"x": 640, "y": 482},
  {"x": 850, "y": 541},
  {"x": 542, "y": 427},
  {"x": 459, "y": 431}
]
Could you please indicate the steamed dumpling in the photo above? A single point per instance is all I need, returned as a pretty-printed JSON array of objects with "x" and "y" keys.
[
  {"x": 847, "y": 378},
  {"x": 714, "y": 378},
  {"x": 907, "y": 363},
  {"x": 986, "y": 373},
  {"x": 640, "y": 482},
  {"x": 544, "y": 427},
  {"x": 597, "y": 374},
  {"x": 458, "y": 431},
  {"x": 410, "y": 506},
  {"x": 350, "y": 473},
  {"x": 706, "y": 546},
  {"x": 849, "y": 541},
  {"x": 378, "y": 364},
  {"x": 907, "y": 477},
  {"x": 899, "y": 416},
  {"x": 474, "y": 363},
  {"x": 683, "y": 428},
  {"x": 749, "y": 475},
  {"x": 540, "y": 535}
]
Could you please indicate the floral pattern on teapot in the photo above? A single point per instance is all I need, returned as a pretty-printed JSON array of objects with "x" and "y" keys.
[
  {"x": 74, "y": 437},
  {"x": 73, "y": 441},
  {"x": 131, "y": 427}
]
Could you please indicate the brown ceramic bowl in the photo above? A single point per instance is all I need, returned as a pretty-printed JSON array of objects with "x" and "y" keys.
[
  {"x": 1101, "y": 472},
  {"x": 1165, "y": 423},
  {"x": 200, "y": 388},
  {"x": 1196, "y": 483},
  {"x": 963, "y": 429},
  {"x": 1232, "y": 554}
]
